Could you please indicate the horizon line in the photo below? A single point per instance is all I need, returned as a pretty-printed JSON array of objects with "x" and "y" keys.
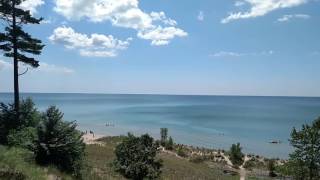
[{"x": 164, "y": 94}]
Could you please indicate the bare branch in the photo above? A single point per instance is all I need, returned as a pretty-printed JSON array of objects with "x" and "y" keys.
[{"x": 24, "y": 72}]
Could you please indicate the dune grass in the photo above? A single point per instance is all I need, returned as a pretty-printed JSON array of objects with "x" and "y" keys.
[
  {"x": 18, "y": 164},
  {"x": 100, "y": 158}
]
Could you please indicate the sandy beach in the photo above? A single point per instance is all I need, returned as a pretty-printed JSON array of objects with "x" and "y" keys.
[{"x": 90, "y": 138}]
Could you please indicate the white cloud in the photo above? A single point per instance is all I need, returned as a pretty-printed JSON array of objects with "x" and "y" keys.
[
  {"x": 236, "y": 54},
  {"x": 261, "y": 8},
  {"x": 44, "y": 67},
  {"x": 200, "y": 16},
  {"x": 239, "y": 3},
  {"x": 225, "y": 53},
  {"x": 121, "y": 13},
  {"x": 161, "y": 36},
  {"x": 288, "y": 17},
  {"x": 95, "y": 45},
  {"x": 31, "y": 5},
  {"x": 161, "y": 16}
]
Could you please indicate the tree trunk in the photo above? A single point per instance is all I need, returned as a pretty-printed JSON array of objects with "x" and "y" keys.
[{"x": 15, "y": 61}]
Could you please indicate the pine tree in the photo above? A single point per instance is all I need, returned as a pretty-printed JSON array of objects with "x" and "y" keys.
[
  {"x": 59, "y": 142},
  {"x": 169, "y": 144},
  {"x": 236, "y": 155},
  {"x": 164, "y": 136},
  {"x": 15, "y": 42},
  {"x": 306, "y": 156}
]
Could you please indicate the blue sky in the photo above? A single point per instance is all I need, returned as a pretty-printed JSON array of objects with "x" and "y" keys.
[{"x": 235, "y": 47}]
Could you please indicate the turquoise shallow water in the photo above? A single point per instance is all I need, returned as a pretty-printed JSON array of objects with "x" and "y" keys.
[{"x": 209, "y": 121}]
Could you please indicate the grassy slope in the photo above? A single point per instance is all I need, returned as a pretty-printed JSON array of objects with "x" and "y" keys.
[
  {"x": 16, "y": 163},
  {"x": 100, "y": 158},
  {"x": 19, "y": 162}
]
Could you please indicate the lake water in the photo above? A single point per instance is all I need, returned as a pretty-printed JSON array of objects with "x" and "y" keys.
[{"x": 208, "y": 121}]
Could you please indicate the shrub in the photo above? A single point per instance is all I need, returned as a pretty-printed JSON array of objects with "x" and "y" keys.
[
  {"x": 59, "y": 142},
  {"x": 24, "y": 138},
  {"x": 18, "y": 164},
  {"x": 272, "y": 168},
  {"x": 236, "y": 156},
  {"x": 29, "y": 117},
  {"x": 249, "y": 164},
  {"x": 181, "y": 152},
  {"x": 293, "y": 168},
  {"x": 8, "y": 121},
  {"x": 136, "y": 158}
]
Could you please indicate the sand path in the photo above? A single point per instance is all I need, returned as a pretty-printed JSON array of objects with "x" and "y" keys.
[{"x": 90, "y": 139}]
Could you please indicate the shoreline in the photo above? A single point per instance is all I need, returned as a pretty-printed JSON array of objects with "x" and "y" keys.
[
  {"x": 193, "y": 150},
  {"x": 195, "y": 145}
]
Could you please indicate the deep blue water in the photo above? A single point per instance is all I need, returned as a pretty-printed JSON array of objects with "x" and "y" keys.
[{"x": 209, "y": 121}]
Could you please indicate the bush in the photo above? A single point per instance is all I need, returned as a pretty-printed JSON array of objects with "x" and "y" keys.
[
  {"x": 292, "y": 168},
  {"x": 181, "y": 152},
  {"x": 24, "y": 138},
  {"x": 249, "y": 165},
  {"x": 236, "y": 156},
  {"x": 29, "y": 117},
  {"x": 59, "y": 143},
  {"x": 8, "y": 122},
  {"x": 272, "y": 168},
  {"x": 18, "y": 164},
  {"x": 136, "y": 158}
]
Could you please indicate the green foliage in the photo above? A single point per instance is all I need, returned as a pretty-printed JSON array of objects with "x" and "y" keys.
[
  {"x": 236, "y": 156},
  {"x": 305, "y": 160},
  {"x": 169, "y": 144},
  {"x": 164, "y": 141},
  {"x": 164, "y": 136},
  {"x": 272, "y": 168},
  {"x": 181, "y": 152},
  {"x": 23, "y": 138},
  {"x": 294, "y": 169},
  {"x": 17, "y": 163},
  {"x": 254, "y": 163},
  {"x": 8, "y": 121},
  {"x": 249, "y": 165},
  {"x": 136, "y": 158},
  {"x": 29, "y": 117},
  {"x": 59, "y": 142}
]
